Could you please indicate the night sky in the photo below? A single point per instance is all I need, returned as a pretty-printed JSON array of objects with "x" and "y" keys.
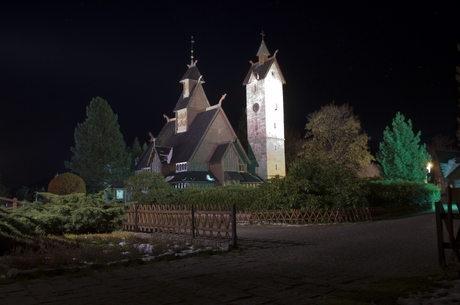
[{"x": 378, "y": 57}]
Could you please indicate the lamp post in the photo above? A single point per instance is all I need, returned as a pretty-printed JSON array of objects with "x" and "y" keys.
[{"x": 429, "y": 165}]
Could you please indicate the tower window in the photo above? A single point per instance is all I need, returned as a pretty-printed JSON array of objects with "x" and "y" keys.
[{"x": 274, "y": 125}]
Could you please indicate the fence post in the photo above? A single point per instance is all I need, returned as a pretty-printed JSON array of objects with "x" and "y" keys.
[
  {"x": 440, "y": 234},
  {"x": 136, "y": 220},
  {"x": 193, "y": 222},
  {"x": 234, "y": 237},
  {"x": 15, "y": 203}
]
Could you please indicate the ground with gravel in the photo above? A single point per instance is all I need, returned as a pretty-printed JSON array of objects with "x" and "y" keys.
[{"x": 355, "y": 263}]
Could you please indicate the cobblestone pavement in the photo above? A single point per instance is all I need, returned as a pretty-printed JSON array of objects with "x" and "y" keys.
[{"x": 312, "y": 264}]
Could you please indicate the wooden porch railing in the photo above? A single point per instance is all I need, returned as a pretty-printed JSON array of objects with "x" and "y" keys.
[{"x": 15, "y": 202}]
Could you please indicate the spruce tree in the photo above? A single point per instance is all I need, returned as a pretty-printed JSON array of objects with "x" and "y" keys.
[
  {"x": 401, "y": 155},
  {"x": 136, "y": 152},
  {"x": 99, "y": 157}
]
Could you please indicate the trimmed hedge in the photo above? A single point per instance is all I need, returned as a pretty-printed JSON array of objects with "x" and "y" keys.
[{"x": 401, "y": 193}]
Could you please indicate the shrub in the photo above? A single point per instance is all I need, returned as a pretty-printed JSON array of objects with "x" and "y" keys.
[
  {"x": 401, "y": 193},
  {"x": 149, "y": 188},
  {"x": 65, "y": 184},
  {"x": 74, "y": 213},
  {"x": 240, "y": 196},
  {"x": 326, "y": 185}
]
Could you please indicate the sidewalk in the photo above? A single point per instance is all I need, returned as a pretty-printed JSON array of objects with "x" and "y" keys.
[{"x": 317, "y": 264}]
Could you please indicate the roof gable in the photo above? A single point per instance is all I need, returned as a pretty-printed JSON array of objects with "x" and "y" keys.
[{"x": 260, "y": 71}]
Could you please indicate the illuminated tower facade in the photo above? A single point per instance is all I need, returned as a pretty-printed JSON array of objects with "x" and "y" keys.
[{"x": 265, "y": 114}]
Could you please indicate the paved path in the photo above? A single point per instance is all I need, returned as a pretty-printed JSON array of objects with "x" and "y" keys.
[{"x": 275, "y": 265}]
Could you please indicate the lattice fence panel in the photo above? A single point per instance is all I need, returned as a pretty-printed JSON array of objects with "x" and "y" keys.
[
  {"x": 304, "y": 216},
  {"x": 213, "y": 221},
  {"x": 210, "y": 221}
]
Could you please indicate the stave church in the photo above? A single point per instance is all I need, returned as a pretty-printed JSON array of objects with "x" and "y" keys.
[{"x": 198, "y": 147}]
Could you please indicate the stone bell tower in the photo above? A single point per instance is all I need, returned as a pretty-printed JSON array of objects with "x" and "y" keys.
[{"x": 265, "y": 115}]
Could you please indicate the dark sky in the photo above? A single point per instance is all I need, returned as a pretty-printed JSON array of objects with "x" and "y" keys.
[{"x": 55, "y": 57}]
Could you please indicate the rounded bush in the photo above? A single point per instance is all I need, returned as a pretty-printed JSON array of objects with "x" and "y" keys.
[{"x": 65, "y": 184}]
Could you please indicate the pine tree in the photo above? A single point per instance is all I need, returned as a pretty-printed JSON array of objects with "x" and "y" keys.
[
  {"x": 99, "y": 157},
  {"x": 401, "y": 156},
  {"x": 136, "y": 152}
]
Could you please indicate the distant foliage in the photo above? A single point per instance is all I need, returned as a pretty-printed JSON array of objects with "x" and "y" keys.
[
  {"x": 149, "y": 188},
  {"x": 4, "y": 191},
  {"x": 74, "y": 213},
  {"x": 401, "y": 155},
  {"x": 401, "y": 193},
  {"x": 371, "y": 170},
  {"x": 136, "y": 153},
  {"x": 65, "y": 184},
  {"x": 23, "y": 192},
  {"x": 293, "y": 143}
]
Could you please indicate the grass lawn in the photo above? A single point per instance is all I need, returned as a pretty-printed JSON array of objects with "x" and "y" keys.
[{"x": 92, "y": 250}]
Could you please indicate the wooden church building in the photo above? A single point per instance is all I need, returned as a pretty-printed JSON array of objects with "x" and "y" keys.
[{"x": 198, "y": 146}]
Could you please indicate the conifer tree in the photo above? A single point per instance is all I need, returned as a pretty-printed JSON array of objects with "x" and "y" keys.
[
  {"x": 401, "y": 155},
  {"x": 136, "y": 152},
  {"x": 99, "y": 157}
]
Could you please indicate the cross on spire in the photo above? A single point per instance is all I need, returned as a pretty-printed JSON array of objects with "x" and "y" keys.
[{"x": 262, "y": 34}]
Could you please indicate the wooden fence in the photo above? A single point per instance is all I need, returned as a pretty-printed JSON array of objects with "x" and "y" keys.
[
  {"x": 446, "y": 214},
  {"x": 325, "y": 215},
  {"x": 15, "y": 203},
  {"x": 208, "y": 221},
  {"x": 304, "y": 216}
]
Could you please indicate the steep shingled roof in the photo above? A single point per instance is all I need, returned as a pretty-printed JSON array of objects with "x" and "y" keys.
[
  {"x": 219, "y": 152},
  {"x": 192, "y": 73},
  {"x": 185, "y": 144}
]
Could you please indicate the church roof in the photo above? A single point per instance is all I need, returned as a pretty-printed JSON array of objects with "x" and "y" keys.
[
  {"x": 192, "y": 73},
  {"x": 259, "y": 71},
  {"x": 146, "y": 158},
  {"x": 185, "y": 144},
  {"x": 242, "y": 177},
  {"x": 202, "y": 176},
  {"x": 449, "y": 162},
  {"x": 219, "y": 152}
]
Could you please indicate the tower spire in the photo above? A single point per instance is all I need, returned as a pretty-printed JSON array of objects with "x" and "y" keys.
[
  {"x": 262, "y": 53},
  {"x": 191, "y": 50}
]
